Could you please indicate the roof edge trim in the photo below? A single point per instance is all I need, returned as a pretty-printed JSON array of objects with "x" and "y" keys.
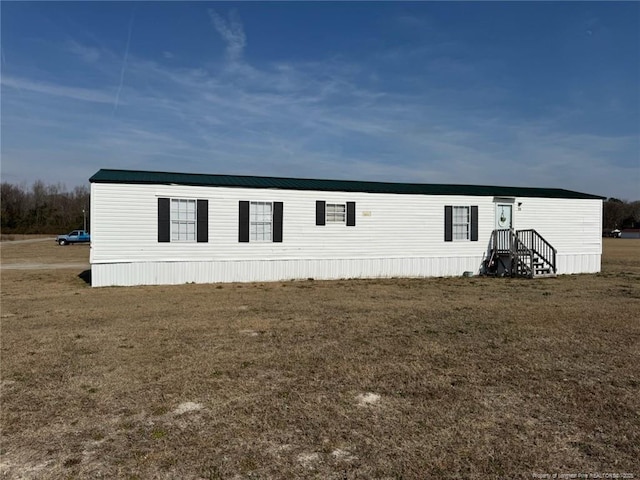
[{"x": 285, "y": 183}]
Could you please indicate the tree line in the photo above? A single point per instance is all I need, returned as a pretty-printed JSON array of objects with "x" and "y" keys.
[
  {"x": 42, "y": 208},
  {"x": 619, "y": 214},
  {"x": 54, "y": 209}
]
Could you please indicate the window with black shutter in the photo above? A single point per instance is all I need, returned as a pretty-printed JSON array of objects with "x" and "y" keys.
[
  {"x": 260, "y": 222},
  {"x": 332, "y": 213},
  {"x": 460, "y": 223},
  {"x": 183, "y": 220}
]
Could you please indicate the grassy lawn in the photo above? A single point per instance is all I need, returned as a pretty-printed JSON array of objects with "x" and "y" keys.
[{"x": 428, "y": 378}]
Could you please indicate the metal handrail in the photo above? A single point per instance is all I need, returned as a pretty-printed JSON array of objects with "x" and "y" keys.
[
  {"x": 540, "y": 246},
  {"x": 501, "y": 239},
  {"x": 507, "y": 241},
  {"x": 520, "y": 252}
]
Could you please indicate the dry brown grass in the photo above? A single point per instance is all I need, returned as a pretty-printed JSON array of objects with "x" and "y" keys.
[
  {"x": 35, "y": 249},
  {"x": 4, "y": 237},
  {"x": 477, "y": 378}
]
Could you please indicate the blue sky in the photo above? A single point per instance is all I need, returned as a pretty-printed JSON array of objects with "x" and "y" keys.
[{"x": 501, "y": 93}]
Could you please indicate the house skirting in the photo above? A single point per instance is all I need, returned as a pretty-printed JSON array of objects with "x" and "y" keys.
[
  {"x": 578, "y": 263},
  {"x": 179, "y": 272}
]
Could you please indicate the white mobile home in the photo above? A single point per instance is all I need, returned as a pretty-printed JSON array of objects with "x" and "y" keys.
[{"x": 171, "y": 228}]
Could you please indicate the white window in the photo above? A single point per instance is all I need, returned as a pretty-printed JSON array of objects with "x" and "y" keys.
[
  {"x": 183, "y": 220},
  {"x": 260, "y": 221},
  {"x": 336, "y": 212},
  {"x": 461, "y": 223}
]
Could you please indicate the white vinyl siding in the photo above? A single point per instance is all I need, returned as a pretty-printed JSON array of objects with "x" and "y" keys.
[
  {"x": 183, "y": 220},
  {"x": 260, "y": 221},
  {"x": 397, "y": 235}
]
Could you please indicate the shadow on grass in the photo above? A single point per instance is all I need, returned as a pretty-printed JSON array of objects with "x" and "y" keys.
[{"x": 85, "y": 276}]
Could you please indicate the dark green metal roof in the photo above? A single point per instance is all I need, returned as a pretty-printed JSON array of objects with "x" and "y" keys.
[{"x": 167, "y": 178}]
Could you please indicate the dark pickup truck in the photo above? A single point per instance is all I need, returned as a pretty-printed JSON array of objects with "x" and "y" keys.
[{"x": 77, "y": 236}]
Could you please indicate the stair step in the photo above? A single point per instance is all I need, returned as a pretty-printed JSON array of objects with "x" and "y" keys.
[{"x": 518, "y": 248}]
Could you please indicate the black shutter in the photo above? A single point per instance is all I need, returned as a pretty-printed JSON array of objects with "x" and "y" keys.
[
  {"x": 448, "y": 223},
  {"x": 320, "y": 212},
  {"x": 277, "y": 221},
  {"x": 243, "y": 222},
  {"x": 474, "y": 223},
  {"x": 351, "y": 214},
  {"x": 202, "y": 229},
  {"x": 164, "y": 220}
]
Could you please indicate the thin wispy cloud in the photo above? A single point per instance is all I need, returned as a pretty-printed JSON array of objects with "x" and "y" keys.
[
  {"x": 87, "y": 54},
  {"x": 430, "y": 112},
  {"x": 124, "y": 62},
  {"x": 75, "y": 93},
  {"x": 232, "y": 33}
]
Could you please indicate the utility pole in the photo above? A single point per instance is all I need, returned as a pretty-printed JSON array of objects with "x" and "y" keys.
[{"x": 84, "y": 216}]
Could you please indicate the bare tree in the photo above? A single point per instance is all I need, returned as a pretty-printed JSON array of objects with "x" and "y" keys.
[
  {"x": 13, "y": 207},
  {"x": 42, "y": 208},
  {"x": 619, "y": 214}
]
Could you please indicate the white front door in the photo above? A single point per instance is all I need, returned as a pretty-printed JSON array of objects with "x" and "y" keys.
[{"x": 504, "y": 215}]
